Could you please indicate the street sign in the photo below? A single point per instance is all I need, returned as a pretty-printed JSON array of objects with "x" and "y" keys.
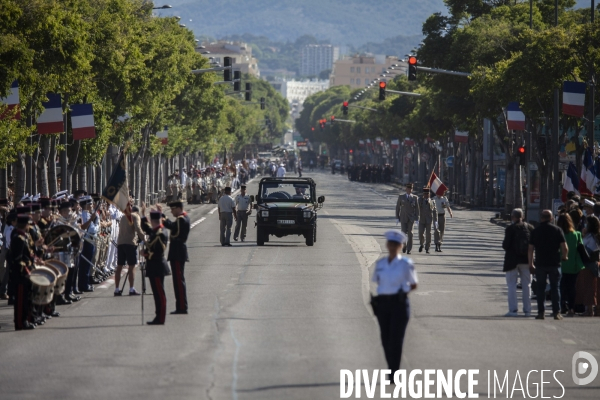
[
  {"x": 450, "y": 161},
  {"x": 408, "y": 156},
  {"x": 299, "y": 144}
]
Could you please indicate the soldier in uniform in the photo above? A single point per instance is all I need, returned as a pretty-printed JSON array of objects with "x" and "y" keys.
[
  {"x": 178, "y": 255},
  {"x": 407, "y": 213},
  {"x": 442, "y": 204},
  {"x": 156, "y": 265},
  {"x": 21, "y": 256},
  {"x": 427, "y": 217},
  {"x": 244, "y": 209}
]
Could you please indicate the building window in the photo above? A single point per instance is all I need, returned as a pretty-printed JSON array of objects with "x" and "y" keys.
[
  {"x": 352, "y": 81},
  {"x": 351, "y": 69},
  {"x": 358, "y": 70},
  {"x": 358, "y": 81},
  {"x": 366, "y": 70}
]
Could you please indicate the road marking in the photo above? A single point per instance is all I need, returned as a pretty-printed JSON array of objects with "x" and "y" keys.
[
  {"x": 568, "y": 341},
  {"x": 197, "y": 222},
  {"x": 213, "y": 210}
]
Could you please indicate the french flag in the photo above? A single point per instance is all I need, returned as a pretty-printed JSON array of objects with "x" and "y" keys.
[
  {"x": 515, "y": 116},
  {"x": 12, "y": 100},
  {"x": 395, "y": 143},
  {"x": 436, "y": 185},
  {"x": 571, "y": 183},
  {"x": 461, "y": 137},
  {"x": 361, "y": 143},
  {"x": 163, "y": 136},
  {"x": 51, "y": 120},
  {"x": 588, "y": 180},
  {"x": 82, "y": 121},
  {"x": 574, "y": 98}
]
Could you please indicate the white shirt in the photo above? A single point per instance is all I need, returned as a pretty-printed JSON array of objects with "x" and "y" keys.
[
  {"x": 242, "y": 202},
  {"x": 93, "y": 228},
  {"x": 7, "y": 232},
  {"x": 226, "y": 204},
  {"x": 183, "y": 178},
  {"x": 440, "y": 202},
  {"x": 392, "y": 277},
  {"x": 281, "y": 172}
]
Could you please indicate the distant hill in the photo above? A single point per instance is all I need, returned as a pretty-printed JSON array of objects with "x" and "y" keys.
[{"x": 341, "y": 22}]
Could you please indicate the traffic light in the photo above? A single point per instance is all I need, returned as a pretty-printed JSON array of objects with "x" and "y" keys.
[
  {"x": 382, "y": 86},
  {"x": 522, "y": 154},
  {"x": 351, "y": 151},
  {"x": 227, "y": 71},
  {"x": 237, "y": 81},
  {"x": 262, "y": 103},
  {"x": 412, "y": 68},
  {"x": 332, "y": 119},
  {"x": 312, "y": 128},
  {"x": 248, "y": 93},
  {"x": 345, "y": 108}
]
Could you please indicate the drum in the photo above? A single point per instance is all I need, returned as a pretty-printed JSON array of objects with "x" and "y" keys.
[
  {"x": 61, "y": 271},
  {"x": 43, "y": 280},
  {"x": 65, "y": 239},
  {"x": 65, "y": 258}
]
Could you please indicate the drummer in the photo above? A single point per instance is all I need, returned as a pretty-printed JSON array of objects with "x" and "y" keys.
[
  {"x": 21, "y": 257},
  {"x": 64, "y": 211}
]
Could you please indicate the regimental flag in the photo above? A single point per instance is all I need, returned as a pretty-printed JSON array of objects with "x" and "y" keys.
[
  {"x": 395, "y": 144},
  {"x": 436, "y": 185},
  {"x": 82, "y": 121},
  {"x": 12, "y": 100},
  {"x": 51, "y": 120},
  {"x": 574, "y": 98},
  {"x": 571, "y": 183},
  {"x": 361, "y": 143},
  {"x": 409, "y": 142},
  {"x": 461, "y": 137},
  {"x": 378, "y": 141},
  {"x": 117, "y": 190},
  {"x": 588, "y": 180},
  {"x": 163, "y": 136},
  {"x": 515, "y": 116},
  {"x": 369, "y": 144}
]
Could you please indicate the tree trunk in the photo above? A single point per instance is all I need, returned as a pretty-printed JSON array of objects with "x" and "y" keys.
[
  {"x": 82, "y": 178},
  {"x": 3, "y": 183},
  {"x": 52, "y": 184},
  {"x": 144, "y": 182},
  {"x": 518, "y": 187},
  {"x": 99, "y": 178},
  {"x": 20, "y": 178},
  {"x": 509, "y": 186},
  {"x": 73, "y": 155},
  {"x": 42, "y": 165}
]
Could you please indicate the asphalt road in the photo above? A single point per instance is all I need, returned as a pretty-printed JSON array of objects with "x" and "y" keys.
[{"x": 280, "y": 321}]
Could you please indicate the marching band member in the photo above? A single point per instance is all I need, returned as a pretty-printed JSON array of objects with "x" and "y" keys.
[{"x": 90, "y": 225}]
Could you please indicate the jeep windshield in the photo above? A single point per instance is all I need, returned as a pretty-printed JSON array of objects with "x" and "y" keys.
[{"x": 286, "y": 191}]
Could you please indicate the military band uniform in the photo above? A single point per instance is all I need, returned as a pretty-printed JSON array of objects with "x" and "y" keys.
[
  {"x": 427, "y": 217},
  {"x": 21, "y": 256},
  {"x": 178, "y": 255},
  {"x": 156, "y": 267},
  {"x": 243, "y": 206},
  {"x": 407, "y": 212}
]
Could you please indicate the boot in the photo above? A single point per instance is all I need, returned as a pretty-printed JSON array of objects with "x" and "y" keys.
[{"x": 440, "y": 247}]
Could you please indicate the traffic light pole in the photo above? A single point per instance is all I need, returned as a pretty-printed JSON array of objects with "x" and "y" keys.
[
  {"x": 403, "y": 93},
  {"x": 204, "y": 71},
  {"x": 364, "y": 108},
  {"x": 443, "y": 71}
]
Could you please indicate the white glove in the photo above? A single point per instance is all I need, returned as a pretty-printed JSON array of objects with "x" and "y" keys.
[
  {"x": 435, "y": 224},
  {"x": 417, "y": 222}
]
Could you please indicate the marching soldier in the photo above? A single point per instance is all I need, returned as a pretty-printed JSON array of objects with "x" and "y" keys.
[
  {"x": 427, "y": 216},
  {"x": 244, "y": 209},
  {"x": 441, "y": 204},
  {"x": 178, "y": 255},
  {"x": 407, "y": 213},
  {"x": 156, "y": 265}
]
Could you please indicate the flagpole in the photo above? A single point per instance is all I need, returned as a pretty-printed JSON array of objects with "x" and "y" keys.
[{"x": 431, "y": 175}]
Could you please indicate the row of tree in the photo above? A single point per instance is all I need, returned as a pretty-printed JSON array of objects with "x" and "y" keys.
[
  {"x": 513, "y": 55},
  {"x": 135, "y": 70}
]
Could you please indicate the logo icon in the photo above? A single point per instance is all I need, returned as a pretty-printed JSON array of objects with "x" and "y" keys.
[{"x": 580, "y": 367}]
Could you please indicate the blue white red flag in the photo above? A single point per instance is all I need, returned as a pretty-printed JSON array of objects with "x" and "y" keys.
[
  {"x": 82, "y": 121},
  {"x": 12, "y": 100},
  {"x": 574, "y": 98},
  {"x": 515, "y": 116},
  {"x": 571, "y": 183},
  {"x": 588, "y": 180},
  {"x": 51, "y": 120}
]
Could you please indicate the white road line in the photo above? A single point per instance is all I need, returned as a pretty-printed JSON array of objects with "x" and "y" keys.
[
  {"x": 568, "y": 341},
  {"x": 213, "y": 210},
  {"x": 197, "y": 222}
]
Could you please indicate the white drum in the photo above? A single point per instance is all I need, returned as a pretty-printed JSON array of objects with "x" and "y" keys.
[
  {"x": 61, "y": 271},
  {"x": 43, "y": 280}
]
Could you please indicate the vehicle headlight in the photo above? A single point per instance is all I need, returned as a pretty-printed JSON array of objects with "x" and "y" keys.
[
  {"x": 265, "y": 213},
  {"x": 308, "y": 214}
]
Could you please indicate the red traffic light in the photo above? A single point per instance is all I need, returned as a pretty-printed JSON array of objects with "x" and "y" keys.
[
  {"x": 312, "y": 128},
  {"x": 412, "y": 60},
  {"x": 382, "y": 85},
  {"x": 333, "y": 117},
  {"x": 345, "y": 104},
  {"x": 522, "y": 150},
  {"x": 351, "y": 151}
]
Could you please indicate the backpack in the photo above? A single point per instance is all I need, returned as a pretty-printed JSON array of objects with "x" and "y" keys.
[{"x": 521, "y": 239}]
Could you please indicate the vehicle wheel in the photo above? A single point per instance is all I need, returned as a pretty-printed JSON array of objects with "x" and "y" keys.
[
  {"x": 266, "y": 237},
  {"x": 260, "y": 237},
  {"x": 310, "y": 238}
]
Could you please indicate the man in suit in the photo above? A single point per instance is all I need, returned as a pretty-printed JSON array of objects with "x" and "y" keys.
[
  {"x": 427, "y": 216},
  {"x": 407, "y": 213}
]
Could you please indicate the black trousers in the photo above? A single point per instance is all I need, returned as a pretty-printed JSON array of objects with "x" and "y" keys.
[
  {"x": 567, "y": 291},
  {"x": 179, "y": 285},
  {"x": 393, "y": 313},
  {"x": 22, "y": 304},
  {"x": 160, "y": 300},
  {"x": 71, "y": 280}
]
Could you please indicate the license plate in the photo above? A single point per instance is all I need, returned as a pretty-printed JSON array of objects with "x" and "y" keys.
[{"x": 286, "y": 221}]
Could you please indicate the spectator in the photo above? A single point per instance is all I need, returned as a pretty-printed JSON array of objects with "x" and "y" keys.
[
  {"x": 547, "y": 242},
  {"x": 577, "y": 218},
  {"x": 588, "y": 284},
  {"x": 516, "y": 247},
  {"x": 571, "y": 267}
]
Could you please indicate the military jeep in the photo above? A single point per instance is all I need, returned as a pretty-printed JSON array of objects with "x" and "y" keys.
[{"x": 287, "y": 206}]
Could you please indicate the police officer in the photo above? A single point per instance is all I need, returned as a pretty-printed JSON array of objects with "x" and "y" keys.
[
  {"x": 156, "y": 265},
  {"x": 441, "y": 204},
  {"x": 243, "y": 206},
  {"x": 395, "y": 277},
  {"x": 407, "y": 213},
  {"x": 178, "y": 255},
  {"x": 427, "y": 217}
]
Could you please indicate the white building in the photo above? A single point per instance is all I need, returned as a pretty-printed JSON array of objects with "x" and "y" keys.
[
  {"x": 297, "y": 91},
  {"x": 317, "y": 57}
]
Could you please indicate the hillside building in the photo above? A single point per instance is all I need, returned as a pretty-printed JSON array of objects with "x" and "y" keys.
[
  {"x": 240, "y": 52},
  {"x": 358, "y": 71},
  {"x": 317, "y": 57}
]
